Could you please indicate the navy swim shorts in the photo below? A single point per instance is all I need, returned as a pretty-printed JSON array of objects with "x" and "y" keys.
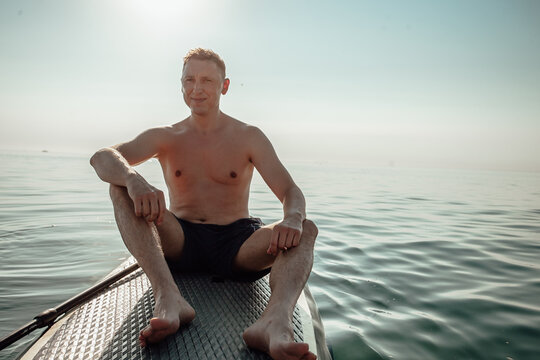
[{"x": 212, "y": 248}]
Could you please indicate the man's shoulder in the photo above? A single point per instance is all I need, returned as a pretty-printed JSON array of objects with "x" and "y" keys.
[
  {"x": 252, "y": 137},
  {"x": 157, "y": 133},
  {"x": 168, "y": 130},
  {"x": 245, "y": 129}
]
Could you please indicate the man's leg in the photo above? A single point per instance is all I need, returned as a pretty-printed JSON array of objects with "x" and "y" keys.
[
  {"x": 273, "y": 332},
  {"x": 149, "y": 245}
]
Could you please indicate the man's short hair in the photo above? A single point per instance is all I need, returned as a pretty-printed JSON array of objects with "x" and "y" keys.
[{"x": 205, "y": 54}]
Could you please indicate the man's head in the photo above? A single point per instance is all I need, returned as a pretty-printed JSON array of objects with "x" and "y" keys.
[
  {"x": 205, "y": 54},
  {"x": 203, "y": 81}
]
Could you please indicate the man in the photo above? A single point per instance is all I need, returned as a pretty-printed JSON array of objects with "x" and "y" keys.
[{"x": 208, "y": 161}]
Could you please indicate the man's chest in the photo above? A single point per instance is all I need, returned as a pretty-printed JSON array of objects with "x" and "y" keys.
[{"x": 221, "y": 162}]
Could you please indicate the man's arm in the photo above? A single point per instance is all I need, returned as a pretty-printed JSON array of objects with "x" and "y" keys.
[
  {"x": 287, "y": 233},
  {"x": 114, "y": 165}
]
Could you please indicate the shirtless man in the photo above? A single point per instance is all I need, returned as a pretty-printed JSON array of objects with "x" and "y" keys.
[{"x": 208, "y": 161}]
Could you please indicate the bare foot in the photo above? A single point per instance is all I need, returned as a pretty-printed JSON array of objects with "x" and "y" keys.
[
  {"x": 169, "y": 313},
  {"x": 277, "y": 340}
]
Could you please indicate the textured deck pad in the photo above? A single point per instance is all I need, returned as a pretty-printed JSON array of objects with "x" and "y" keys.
[{"x": 108, "y": 326}]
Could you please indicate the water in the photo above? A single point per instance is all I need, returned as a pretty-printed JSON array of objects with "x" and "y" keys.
[{"x": 409, "y": 264}]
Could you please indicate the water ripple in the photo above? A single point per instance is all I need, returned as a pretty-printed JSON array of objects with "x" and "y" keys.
[{"x": 409, "y": 264}]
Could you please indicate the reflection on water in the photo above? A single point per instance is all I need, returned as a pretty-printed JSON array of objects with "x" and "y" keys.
[{"x": 409, "y": 264}]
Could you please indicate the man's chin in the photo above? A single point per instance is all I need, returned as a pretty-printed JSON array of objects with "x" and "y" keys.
[{"x": 201, "y": 110}]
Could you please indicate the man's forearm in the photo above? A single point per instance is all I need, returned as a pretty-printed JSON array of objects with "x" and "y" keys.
[
  {"x": 294, "y": 205},
  {"x": 112, "y": 167}
]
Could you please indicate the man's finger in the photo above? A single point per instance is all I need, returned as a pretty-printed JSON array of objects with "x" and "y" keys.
[
  {"x": 145, "y": 207},
  {"x": 282, "y": 239},
  {"x": 138, "y": 207},
  {"x": 290, "y": 239},
  {"x": 275, "y": 243},
  {"x": 161, "y": 208},
  {"x": 154, "y": 209},
  {"x": 296, "y": 238},
  {"x": 272, "y": 248}
]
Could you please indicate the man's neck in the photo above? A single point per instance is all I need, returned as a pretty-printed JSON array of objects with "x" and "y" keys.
[{"x": 207, "y": 122}]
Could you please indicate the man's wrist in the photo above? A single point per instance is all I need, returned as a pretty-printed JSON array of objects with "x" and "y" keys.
[
  {"x": 295, "y": 216},
  {"x": 132, "y": 177}
]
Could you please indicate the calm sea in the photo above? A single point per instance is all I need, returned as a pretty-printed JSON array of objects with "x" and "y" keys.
[{"x": 409, "y": 264}]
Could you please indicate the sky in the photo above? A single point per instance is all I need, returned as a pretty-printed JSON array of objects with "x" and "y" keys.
[{"x": 452, "y": 84}]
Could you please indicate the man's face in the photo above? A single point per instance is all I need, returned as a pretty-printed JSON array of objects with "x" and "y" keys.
[{"x": 202, "y": 86}]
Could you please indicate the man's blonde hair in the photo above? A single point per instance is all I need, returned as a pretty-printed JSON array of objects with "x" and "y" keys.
[{"x": 205, "y": 54}]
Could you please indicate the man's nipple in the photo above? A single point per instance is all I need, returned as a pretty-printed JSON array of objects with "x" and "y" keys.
[
  {"x": 233, "y": 174},
  {"x": 178, "y": 173}
]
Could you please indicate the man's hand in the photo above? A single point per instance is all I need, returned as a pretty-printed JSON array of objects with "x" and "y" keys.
[
  {"x": 148, "y": 201},
  {"x": 285, "y": 235}
]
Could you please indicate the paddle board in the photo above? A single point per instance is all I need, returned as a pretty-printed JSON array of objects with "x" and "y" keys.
[{"x": 107, "y": 326}]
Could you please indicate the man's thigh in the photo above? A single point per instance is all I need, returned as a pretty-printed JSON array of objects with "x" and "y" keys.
[
  {"x": 171, "y": 236},
  {"x": 252, "y": 255}
]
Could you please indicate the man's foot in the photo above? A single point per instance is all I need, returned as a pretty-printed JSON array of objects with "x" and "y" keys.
[
  {"x": 169, "y": 313},
  {"x": 275, "y": 337}
]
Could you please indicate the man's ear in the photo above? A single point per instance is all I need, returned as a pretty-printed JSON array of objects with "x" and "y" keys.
[{"x": 226, "y": 84}]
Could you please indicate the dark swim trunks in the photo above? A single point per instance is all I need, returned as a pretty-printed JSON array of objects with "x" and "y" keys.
[{"x": 212, "y": 248}]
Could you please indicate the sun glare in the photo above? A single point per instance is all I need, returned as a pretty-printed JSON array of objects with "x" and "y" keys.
[{"x": 164, "y": 15}]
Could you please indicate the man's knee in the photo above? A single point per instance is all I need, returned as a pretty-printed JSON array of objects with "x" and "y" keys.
[
  {"x": 310, "y": 229},
  {"x": 118, "y": 193}
]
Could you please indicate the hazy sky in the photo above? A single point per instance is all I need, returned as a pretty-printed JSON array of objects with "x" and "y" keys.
[{"x": 408, "y": 83}]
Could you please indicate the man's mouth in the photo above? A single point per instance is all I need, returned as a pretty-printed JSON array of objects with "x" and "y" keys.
[{"x": 198, "y": 100}]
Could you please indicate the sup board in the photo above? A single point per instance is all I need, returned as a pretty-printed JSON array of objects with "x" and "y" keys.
[{"x": 107, "y": 326}]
